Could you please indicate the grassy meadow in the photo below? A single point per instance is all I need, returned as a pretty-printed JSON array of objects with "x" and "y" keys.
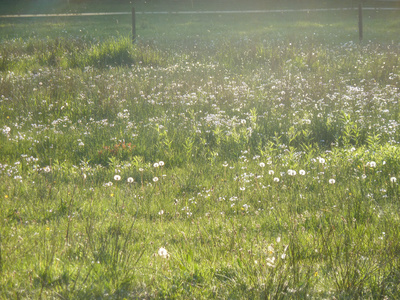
[{"x": 232, "y": 156}]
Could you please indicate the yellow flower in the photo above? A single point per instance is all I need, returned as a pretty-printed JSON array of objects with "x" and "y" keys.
[
  {"x": 6, "y": 196},
  {"x": 112, "y": 195}
]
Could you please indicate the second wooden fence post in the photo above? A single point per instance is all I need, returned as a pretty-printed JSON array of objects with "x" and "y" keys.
[
  {"x": 360, "y": 22},
  {"x": 133, "y": 25}
]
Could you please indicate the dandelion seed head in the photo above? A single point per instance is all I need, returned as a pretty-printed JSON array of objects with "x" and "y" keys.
[
  {"x": 332, "y": 181},
  {"x": 271, "y": 262},
  {"x": 163, "y": 252},
  {"x": 117, "y": 178},
  {"x": 130, "y": 180}
]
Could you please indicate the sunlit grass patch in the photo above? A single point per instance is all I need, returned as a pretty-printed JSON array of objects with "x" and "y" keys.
[{"x": 308, "y": 25}]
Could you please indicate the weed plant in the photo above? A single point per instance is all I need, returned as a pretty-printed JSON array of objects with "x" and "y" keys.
[{"x": 248, "y": 167}]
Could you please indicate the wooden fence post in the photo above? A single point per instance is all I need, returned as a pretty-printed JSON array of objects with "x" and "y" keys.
[
  {"x": 133, "y": 26},
  {"x": 360, "y": 22}
]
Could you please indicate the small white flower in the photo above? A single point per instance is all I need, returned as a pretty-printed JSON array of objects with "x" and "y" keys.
[
  {"x": 276, "y": 179},
  {"x": 302, "y": 172},
  {"x": 117, "y": 178},
  {"x": 372, "y": 164},
  {"x": 262, "y": 165},
  {"x": 278, "y": 239},
  {"x": 155, "y": 179},
  {"x": 161, "y": 212},
  {"x": 160, "y": 163},
  {"x": 393, "y": 179},
  {"x": 141, "y": 170},
  {"x": 242, "y": 188},
  {"x": 332, "y": 181},
  {"x": 271, "y": 172},
  {"x": 291, "y": 172},
  {"x": 47, "y": 169},
  {"x": 321, "y": 160},
  {"x": 81, "y": 144},
  {"x": 130, "y": 180},
  {"x": 156, "y": 165},
  {"x": 225, "y": 165},
  {"x": 163, "y": 252}
]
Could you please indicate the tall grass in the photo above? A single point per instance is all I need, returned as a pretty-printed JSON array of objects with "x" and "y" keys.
[{"x": 75, "y": 53}]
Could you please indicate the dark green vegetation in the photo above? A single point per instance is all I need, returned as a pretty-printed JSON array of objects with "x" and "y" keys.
[
  {"x": 62, "y": 6},
  {"x": 231, "y": 156}
]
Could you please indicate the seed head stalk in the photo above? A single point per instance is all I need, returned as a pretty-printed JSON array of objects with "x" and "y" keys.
[
  {"x": 141, "y": 177},
  {"x": 255, "y": 178}
]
